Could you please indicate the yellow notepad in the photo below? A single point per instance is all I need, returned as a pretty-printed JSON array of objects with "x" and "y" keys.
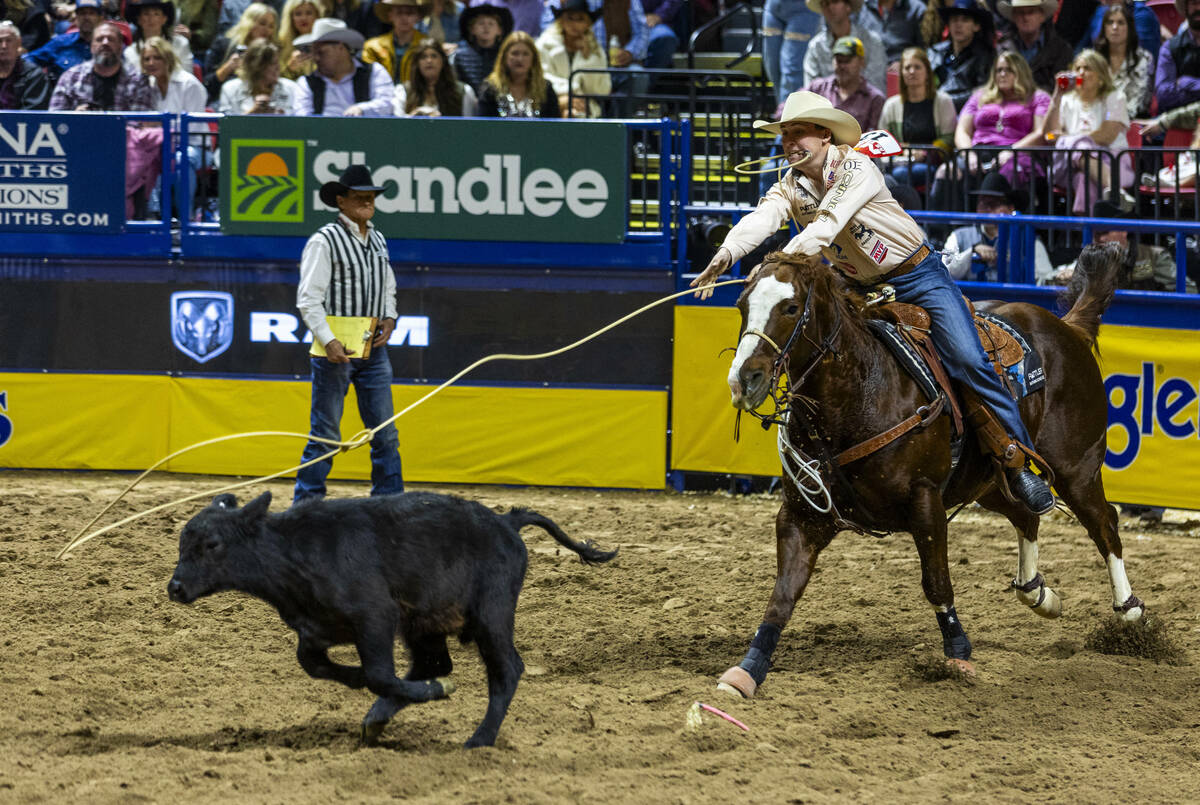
[{"x": 355, "y": 333}]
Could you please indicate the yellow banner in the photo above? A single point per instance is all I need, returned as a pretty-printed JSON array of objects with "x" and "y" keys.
[
  {"x": 1152, "y": 377},
  {"x": 491, "y": 435},
  {"x": 701, "y": 417}
]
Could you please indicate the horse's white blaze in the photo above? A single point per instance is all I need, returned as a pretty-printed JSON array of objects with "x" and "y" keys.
[
  {"x": 768, "y": 293},
  {"x": 1027, "y": 561},
  {"x": 1120, "y": 584}
]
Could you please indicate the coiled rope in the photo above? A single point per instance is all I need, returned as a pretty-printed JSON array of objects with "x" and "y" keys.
[{"x": 359, "y": 439}]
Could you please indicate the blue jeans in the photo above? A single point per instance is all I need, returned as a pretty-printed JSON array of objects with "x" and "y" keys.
[
  {"x": 787, "y": 28},
  {"x": 930, "y": 286},
  {"x": 372, "y": 379},
  {"x": 914, "y": 174},
  {"x": 663, "y": 43}
]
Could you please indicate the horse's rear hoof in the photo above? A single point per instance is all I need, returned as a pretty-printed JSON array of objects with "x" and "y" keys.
[
  {"x": 737, "y": 681},
  {"x": 964, "y": 667},
  {"x": 1132, "y": 610},
  {"x": 447, "y": 685}
]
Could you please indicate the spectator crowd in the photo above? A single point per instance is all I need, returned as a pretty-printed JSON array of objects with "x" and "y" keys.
[{"x": 968, "y": 86}]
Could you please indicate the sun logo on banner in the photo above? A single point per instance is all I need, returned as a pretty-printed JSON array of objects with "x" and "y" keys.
[{"x": 268, "y": 181}]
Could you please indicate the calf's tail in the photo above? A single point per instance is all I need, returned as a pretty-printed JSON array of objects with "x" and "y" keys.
[
  {"x": 1093, "y": 284},
  {"x": 588, "y": 552}
]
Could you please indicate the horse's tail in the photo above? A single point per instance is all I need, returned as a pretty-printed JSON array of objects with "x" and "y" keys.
[
  {"x": 588, "y": 552},
  {"x": 1092, "y": 287}
]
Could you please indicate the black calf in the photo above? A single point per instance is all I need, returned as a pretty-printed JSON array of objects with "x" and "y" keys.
[{"x": 419, "y": 566}]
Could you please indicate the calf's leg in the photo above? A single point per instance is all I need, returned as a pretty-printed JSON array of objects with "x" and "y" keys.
[
  {"x": 430, "y": 659},
  {"x": 504, "y": 668},
  {"x": 314, "y": 659},
  {"x": 374, "y": 643}
]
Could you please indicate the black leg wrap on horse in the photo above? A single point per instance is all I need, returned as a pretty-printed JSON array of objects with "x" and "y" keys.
[
  {"x": 757, "y": 661},
  {"x": 954, "y": 640}
]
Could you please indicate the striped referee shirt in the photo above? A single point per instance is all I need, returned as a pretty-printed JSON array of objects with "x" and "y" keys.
[{"x": 342, "y": 274}]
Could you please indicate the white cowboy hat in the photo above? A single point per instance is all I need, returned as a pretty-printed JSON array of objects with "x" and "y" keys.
[
  {"x": 383, "y": 8},
  {"x": 1006, "y": 9},
  {"x": 809, "y": 107},
  {"x": 815, "y": 6},
  {"x": 329, "y": 29}
]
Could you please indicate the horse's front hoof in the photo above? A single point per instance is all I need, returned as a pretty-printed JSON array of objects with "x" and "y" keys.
[
  {"x": 964, "y": 667},
  {"x": 371, "y": 730},
  {"x": 1041, "y": 599},
  {"x": 1050, "y": 607},
  {"x": 737, "y": 681},
  {"x": 447, "y": 687}
]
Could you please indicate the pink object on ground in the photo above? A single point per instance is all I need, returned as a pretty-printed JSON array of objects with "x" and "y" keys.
[{"x": 723, "y": 715}]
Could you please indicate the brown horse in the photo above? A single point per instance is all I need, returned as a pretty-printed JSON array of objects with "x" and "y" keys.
[{"x": 800, "y": 319}]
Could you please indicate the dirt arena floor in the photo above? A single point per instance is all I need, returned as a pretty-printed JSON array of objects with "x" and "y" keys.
[{"x": 110, "y": 693}]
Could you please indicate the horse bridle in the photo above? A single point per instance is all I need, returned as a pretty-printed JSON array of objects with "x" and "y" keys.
[
  {"x": 782, "y": 358},
  {"x": 784, "y": 409}
]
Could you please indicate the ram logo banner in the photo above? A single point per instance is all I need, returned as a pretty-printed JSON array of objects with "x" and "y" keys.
[
  {"x": 6, "y": 426},
  {"x": 202, "y": 323},
  {"x": 268, "y": 181},
  {"x": 522, "y": 180}
]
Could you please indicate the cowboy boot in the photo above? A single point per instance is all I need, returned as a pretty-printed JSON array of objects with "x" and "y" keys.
[
  {"x": 1023, "y": 485},
  {"x": 1030, "y": 490}
]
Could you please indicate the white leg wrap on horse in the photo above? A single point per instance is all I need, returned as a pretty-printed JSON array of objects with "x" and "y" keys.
[
  {"x": 1038, "y": 597},
  {"x": 1027, "y": 560},
  {"x": 1121, "y": 590}
]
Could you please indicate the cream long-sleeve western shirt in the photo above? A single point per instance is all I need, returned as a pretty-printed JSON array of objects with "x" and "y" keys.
[{"x": 850, "y": 217}]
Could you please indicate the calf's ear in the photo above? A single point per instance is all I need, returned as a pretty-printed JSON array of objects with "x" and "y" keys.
[
  {"x": 225, "y": 501},
  {"x": 257, "y": 509}
]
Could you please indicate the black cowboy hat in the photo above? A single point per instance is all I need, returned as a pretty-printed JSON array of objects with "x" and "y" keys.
[
  {"x": 994, "y": 184},
  {"x": 970, "y": 8},
  {"x": 562, "y": 7},
  {"x": 133, "y": 8},
  {"x": 355, "y": 177},
  {"x": 1106, "y": 209},
  {"x": 501, "y": 13}
]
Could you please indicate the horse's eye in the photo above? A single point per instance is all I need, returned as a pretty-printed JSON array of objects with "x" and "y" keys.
[{"x": 793, "y": 310}]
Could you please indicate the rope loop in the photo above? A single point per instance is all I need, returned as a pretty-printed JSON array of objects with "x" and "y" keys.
[{"x": 361, "y": 438}]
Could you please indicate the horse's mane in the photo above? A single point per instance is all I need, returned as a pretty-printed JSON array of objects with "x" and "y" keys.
[{"x": 812, "y": 273}]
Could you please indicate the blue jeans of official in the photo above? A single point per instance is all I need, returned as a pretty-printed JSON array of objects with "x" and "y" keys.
[
  {"x": 930, "y": 286},
  {"x": 372, "y": 379}
]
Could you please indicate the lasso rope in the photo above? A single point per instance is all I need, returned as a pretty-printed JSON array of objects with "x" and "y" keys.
[{"x": 361, "y": 438}]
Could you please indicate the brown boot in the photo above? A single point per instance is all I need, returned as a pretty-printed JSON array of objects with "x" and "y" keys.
[{"x": 1023, "y": 485}]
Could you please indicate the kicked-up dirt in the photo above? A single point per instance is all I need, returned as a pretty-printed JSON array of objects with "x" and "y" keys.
[{"x": 110, "y": 693}]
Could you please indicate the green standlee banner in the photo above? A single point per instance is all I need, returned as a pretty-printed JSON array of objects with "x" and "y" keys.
[{"x": 445, "y": 179}]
